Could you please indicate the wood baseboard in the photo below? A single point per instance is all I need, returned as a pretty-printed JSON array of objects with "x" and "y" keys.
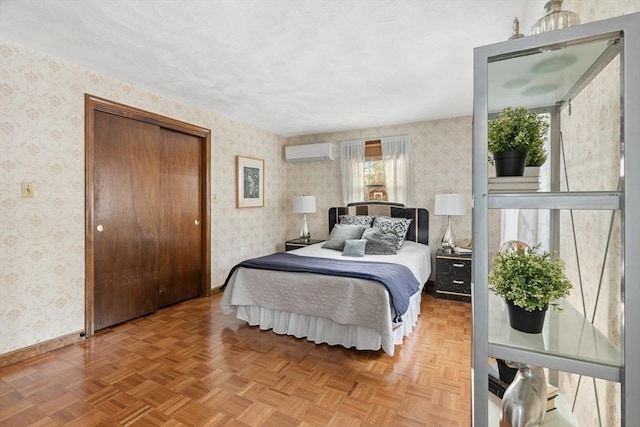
[{"x": 40, "y": 348}]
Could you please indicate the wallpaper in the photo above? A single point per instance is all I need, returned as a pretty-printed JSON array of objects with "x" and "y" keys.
[
  {"x": 441, "y": 163},
  {"x": 42, "y": 238},
  {"x": 591, "y": 135},
  {"x": 42, "y": 137}
]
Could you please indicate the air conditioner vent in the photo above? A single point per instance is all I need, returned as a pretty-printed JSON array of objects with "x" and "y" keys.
[{"x": 309, "y": 152}]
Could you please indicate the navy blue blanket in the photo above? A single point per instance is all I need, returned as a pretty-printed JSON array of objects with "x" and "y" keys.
[{"x": 398, "y": 279}]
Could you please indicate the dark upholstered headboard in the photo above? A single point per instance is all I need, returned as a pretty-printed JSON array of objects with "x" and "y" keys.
[{"x": 418, "y": 230}]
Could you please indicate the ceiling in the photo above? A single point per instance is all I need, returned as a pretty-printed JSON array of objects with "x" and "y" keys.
[{"x": 291, "y": 67}]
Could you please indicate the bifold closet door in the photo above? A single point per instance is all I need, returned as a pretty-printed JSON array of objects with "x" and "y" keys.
[
  {"x": 180, "y": 216},
  {"x": 126, "y": 200}
]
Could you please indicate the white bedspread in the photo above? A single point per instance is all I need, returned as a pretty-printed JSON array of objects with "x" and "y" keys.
[{"x": 262, "y": 296}]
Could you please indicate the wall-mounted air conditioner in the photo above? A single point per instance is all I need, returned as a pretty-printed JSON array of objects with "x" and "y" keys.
[{"x": 309, "y": 152}]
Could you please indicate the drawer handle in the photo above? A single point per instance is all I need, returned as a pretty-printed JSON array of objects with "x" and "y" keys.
[
  {"x": 458, "y": 282},
  {"x": 458, "y": 265}
]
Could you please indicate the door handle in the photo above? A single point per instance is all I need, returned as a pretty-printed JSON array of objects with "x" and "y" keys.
[
  {"x": 100, "y": 228},
  {"x": 196, "y": 222}
]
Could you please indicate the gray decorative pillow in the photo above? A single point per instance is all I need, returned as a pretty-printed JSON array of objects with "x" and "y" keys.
[
  {"x": 342, "y": 232},
  {"x": 363, "y": 220},
  {"x": 397, "y": 226},
  {"x": 379, "y": 243},
  {"x": 354, "y": 247}
]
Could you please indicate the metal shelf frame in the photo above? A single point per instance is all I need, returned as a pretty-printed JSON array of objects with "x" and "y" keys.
[
  {"x": 595, "y": 200},
  {"x": 623, "y": 35}
]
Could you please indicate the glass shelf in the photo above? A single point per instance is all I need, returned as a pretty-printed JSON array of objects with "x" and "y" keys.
[
  {"x": 546, "y": 77},
  {"x": 568, "y": 342}
]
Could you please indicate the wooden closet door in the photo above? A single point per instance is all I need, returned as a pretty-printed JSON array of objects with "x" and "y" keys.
[
  {"x": 127, "y": 218},
  {"x": 180, "y": 216}
]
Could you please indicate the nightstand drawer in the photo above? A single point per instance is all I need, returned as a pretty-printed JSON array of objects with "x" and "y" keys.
[{"x": 456, "y": 269}]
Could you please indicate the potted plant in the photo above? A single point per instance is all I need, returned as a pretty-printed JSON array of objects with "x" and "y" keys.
[
  {"x": 511, "y": 135},
  {"x": 530, "y": 282},
  {"x": 536, "y": 157}
]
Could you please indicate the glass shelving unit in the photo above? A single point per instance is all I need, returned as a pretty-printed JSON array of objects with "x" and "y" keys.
[{"x": 545, "y": 73}]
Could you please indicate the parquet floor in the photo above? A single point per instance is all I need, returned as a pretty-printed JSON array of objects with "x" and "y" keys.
[{"x": 192, "y": 365}]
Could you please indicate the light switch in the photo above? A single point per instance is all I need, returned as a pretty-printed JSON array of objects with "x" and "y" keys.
[{"x": 28, "y": 190}]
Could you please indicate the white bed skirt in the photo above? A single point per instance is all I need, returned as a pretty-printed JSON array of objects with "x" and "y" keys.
[{"x": 322, "y": 330}]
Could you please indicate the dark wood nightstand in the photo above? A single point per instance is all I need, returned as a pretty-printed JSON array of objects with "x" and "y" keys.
[
  {"x": 453, "y": 276},
  {"x": 299, "y": 243}
]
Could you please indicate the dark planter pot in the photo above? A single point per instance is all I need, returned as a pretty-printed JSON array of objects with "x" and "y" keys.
[
  {"x": 507, "y": 373},
  {"x": 510, "y": 163},
  {"x": 522, "y": 320}
]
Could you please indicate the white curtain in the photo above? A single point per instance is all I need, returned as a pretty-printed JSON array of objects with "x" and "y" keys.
[
  {"x": 396, "y": 157},
  {"x": 527, "y": 225},
  {"x": 352, "y": 168},
  {"x": 531, "y": 226}
]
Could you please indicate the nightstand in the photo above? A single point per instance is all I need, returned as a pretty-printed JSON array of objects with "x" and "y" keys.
[
  {"x": 453, "y": 276},
  {"x": 299, "y": 243}
]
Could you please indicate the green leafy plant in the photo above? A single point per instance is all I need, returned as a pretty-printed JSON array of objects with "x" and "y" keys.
[
  {"x": 537, "y": 155},
  {"x": 515, "y": 129},
  {"x": 529, "y": 279}
]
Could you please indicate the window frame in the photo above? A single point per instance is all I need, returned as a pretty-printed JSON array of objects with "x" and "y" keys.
[{"x": 373, "y": 153}]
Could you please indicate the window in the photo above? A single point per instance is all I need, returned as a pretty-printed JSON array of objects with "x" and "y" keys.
[
  {"x": 374, "y": 181},
  {"x": 388, "y": 170}
]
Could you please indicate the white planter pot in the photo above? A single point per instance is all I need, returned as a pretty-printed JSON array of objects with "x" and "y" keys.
[{"x": 531, "y": 171}]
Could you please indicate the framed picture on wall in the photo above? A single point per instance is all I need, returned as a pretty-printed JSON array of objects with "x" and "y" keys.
[{"x": 249, "y": 182}]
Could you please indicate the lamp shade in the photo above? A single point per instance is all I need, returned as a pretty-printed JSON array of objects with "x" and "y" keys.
[
  {"x": 304, "y": 204},
  {"x": 450, "y": 204}
]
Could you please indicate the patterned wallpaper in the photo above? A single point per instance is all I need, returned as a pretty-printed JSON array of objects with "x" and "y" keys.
[
  {"x": 591, "y": 135},
  {"x": 441, "y": 162},
  {"x": 42, "y": 141},
  {"x": 42, "y": 239},
  {"x": 593, "y": 164}
]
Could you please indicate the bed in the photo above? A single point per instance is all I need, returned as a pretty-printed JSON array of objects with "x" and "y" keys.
[{"x": 326, "y": 308}]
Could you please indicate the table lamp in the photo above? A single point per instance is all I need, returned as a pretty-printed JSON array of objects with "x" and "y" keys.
[
  {"x": 449, "y": 205},
  {"x": 304, "y": 205}
]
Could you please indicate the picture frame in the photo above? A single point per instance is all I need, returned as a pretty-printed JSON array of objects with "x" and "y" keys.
[{"x": 249, "y": 182}]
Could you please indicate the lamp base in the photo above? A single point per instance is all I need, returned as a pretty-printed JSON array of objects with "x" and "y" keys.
[
  {"x": 305, "y": 236},
  {"x": 447, "y": 239}
]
